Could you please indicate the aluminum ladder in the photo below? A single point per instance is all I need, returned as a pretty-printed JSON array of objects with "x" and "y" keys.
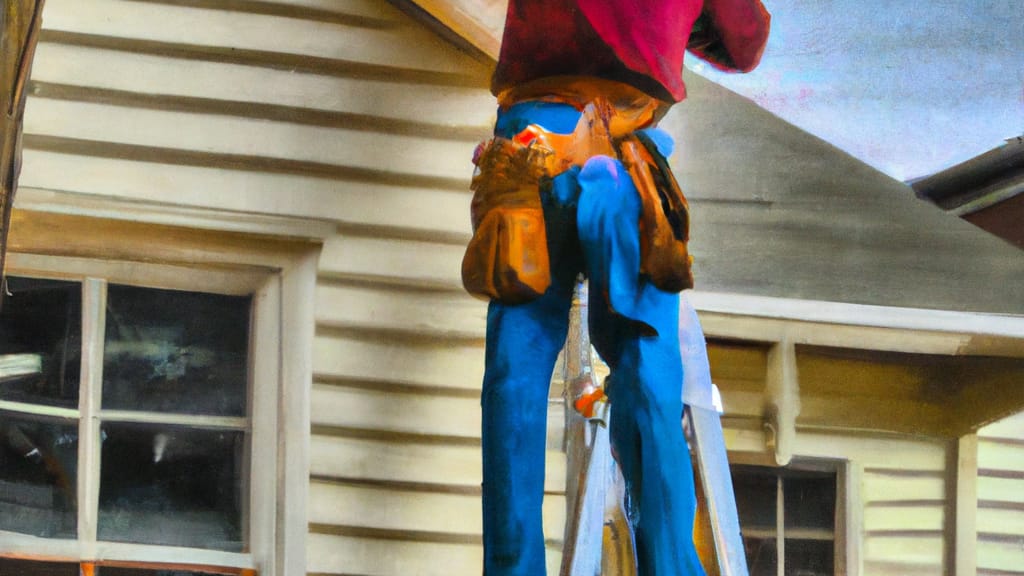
[{"x": 597, "y": 537}]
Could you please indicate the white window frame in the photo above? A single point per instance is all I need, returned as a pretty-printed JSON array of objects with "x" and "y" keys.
[{"x": 281, "y": 278}]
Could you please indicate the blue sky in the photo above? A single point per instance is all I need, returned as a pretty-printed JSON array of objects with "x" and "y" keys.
[{"x": 910, "y": 87}]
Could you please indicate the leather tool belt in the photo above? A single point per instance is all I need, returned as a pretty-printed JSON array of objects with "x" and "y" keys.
[{"x": 507, "y": 258}]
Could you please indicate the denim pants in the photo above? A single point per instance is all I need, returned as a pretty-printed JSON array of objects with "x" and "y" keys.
[{"x": 592, "y": 216}]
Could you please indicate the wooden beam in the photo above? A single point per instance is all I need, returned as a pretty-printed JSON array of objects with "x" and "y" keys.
[
  {"x": 991, "y": 390},
  {"x": 19, "y": 31},
  {"x": 478, "y": 22},
  {"x": 964, "y": 524},
  {"x": 783, "y": 402}
]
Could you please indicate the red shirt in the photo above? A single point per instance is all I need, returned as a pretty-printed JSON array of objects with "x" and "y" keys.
[{"x": 640, "y": 42}]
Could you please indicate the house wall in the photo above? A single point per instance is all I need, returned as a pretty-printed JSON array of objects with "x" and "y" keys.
[
  {"x": 343, "y": 120},
  {"x": 347, "y": 121},
  {"x": 1000, "y": 488},
  {"x": 894, "y": 491}
]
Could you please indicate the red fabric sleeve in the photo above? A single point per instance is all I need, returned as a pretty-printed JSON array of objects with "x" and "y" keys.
[{"x": 731, "y": 34}]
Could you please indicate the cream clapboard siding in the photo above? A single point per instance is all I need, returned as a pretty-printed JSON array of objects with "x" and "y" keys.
[
  {"x": 1000, "y": 520},
  {"x": 345, "y": 112},
  {"x": 903, "y": 496},
  {"x": 896, "y": 521}
]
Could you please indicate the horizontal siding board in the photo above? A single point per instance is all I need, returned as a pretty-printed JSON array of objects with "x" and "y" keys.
[
  {"x": 1006, "y": 522},
  {"x": 152, "y": 74},
  {"x": 406, "y": 412},
  {"x": 881, "y": 488},
  {"x": 404, "y": 46},
  {"x": 416, "y": 263},
  {"x": 345, "y": 555},
  {"x": 427, "y": 212},
  {"x": 925, "y": 516},
  {"x": 1002, "y": 456},
  {"x": 400, "y": 412},
  {"x": 384, "y": 461},
  {"x": 1011, "y": 427},
  {"x": 428, "y": 314},
  {"x": 1004, "y": 555},
  {"x": 424, "y": 157},
  {"x": 897, "y": 568},
  {"x": 883, "y": 455},
  {"x": 1006, "y": 490},
  {"x": 919, "y": 550},
  {"x": 367, "y": 8},
  {"x": 435, "y": 364},
  {"x": 371, "y": 507}
]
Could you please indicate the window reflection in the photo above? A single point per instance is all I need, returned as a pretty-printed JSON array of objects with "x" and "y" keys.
[
  {"x": 38, "y": 475},
  {"x": 40, "y": 342},
  {"x": 179, "y": 352},
  {"x": 172, "y": 485}
]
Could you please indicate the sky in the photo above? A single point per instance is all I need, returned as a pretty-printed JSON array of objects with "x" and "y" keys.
[{"x": 909, "y": 87}]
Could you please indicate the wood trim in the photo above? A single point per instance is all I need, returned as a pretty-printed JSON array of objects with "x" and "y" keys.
[
  {"x": 192, "y": 420},
  {"x": 20, "y": 23},
  {"x": 780, "y": 526},
  {"x": 298, "y": 322},
  {"x": 849, "y": 519},
  {"x": 213, "y": 279},
  {"x": 766, "y": 308},
  {"x": 94, "y": 312},
  {"x": 783, "y": 400},
  {"x": 464, "y": 25},
  {"x": 265, "y": 382},
  {"x": 964, "y": 525},
  {"x": 39, "y": 410},
  {"x": 33, "y": 200},
  {"x": 110, "y": 239}
]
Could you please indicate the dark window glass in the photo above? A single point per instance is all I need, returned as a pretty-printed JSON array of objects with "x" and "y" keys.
[
  {"x": 762, "y": 556},
  {"x": 181, "y": 352},
  {"x": 38, "y": 475},
  {"x": 809, "y": 557},
  {"x": 41, "y": 342},
  {"x": 12, "y": 567},
  {"x": 756, "y": 497},
  {"x": 173, "y": 485},
  {"x": 809, "y": 499},
  {"x": 108, "y": 571}
]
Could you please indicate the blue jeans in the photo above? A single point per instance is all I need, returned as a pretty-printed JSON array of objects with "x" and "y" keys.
[{"x": 592, "y": 217}]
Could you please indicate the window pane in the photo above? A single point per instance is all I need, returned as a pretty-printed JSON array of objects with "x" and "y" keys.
[
  {"x": 38, "y": 479},
  {"x": 13, "y": 567},
  {"x": 756, "y": 497},
  {"x": 809, "y": 557},
  {"x": 40, "y": 342},
  {"x": 762, "y": 556},
  {"x": 172, "y": 485},
  {"x": 810, "y": 501},
  {"x": 171, "y": 351}
]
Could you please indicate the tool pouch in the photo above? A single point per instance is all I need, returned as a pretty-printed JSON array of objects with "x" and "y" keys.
[
  {"x": 665, "y": 222},
  {"x": 507, "y": 258}
]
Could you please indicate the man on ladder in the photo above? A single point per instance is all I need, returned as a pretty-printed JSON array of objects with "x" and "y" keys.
[{"x": 576, "y": 181}]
